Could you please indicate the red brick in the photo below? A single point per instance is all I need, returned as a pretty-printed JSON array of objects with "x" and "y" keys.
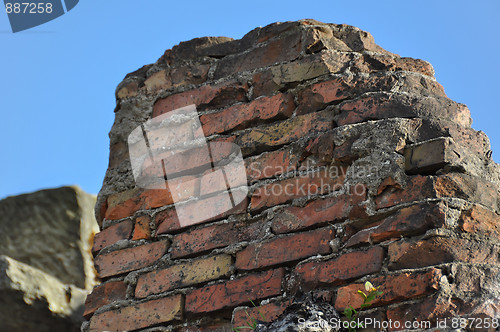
[
  {"x": 262, "y": 313},
  {"x": 139, "y": 316},
  {"x": 125, "y": 204},
  {"x": 169, "y": 222},
  {"x": 206, "y": 95},
  {"x": 373, "y": 62},
  {"x": 235, "y": 292},
  {"x": 184, "y": 274},
  {"x": 384, "y": 105},
  {"x": 336, "y": 271},
  {"x": 319, "y": 182},
  {"x": 408, "y": 221},
  {"x": 216, "y": 236},
  {"x": 414, "y": 254},
  {"x": 112, "y": 234},
  {"x": 270, "y": 164},
  {"x": 126, "y": 260},
  {"x": 185, "y": 160},
  {"x": 277, "y": 77},
  {"x": 426, "y": 311},
  {"x": 471, "y": 188},
  {"x": 284, "y": 249},
  {"x": 478, "y": 220},
  {"x": 316, "y": 212},
  {"x": 392, "y": 193},
  {"x": 104, "y": 294},
  {"x": 440, "y": 306},
  {"x": 318, "y": 95},
  {"x": 457, "y": 185},
  {"x": 395, "y": 288},
  {"x": 240, "y": 116},
  {"x": 284, "y": 132},
  {"x": 322, "y": 147},
  {"x": 430, "y": 156},
  {"x": 142, "y": 230},
  {"x": 285, "y": 48}
]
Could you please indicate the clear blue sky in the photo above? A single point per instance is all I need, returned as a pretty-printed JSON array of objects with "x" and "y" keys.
[{"x": 58, "y": 80}]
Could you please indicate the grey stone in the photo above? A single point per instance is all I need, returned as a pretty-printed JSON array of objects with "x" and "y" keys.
[
  {"x": 51, "y": 230},
  {"x": 33, "y": 300}
]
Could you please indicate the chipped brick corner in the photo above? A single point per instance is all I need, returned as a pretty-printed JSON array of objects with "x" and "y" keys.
[{"x": 359, "y": 168}]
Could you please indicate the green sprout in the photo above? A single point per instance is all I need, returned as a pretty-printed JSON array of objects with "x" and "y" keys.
[{"x": 352, "y": 314}]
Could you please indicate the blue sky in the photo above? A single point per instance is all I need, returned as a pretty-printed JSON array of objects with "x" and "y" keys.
[{"x": 58, "y": 79}]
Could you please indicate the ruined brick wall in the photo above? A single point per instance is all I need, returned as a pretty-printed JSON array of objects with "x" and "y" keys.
[{"x": 359, "y": 168}]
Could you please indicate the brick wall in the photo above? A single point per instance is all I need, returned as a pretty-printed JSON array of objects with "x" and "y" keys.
[{"x": 359, "y": 168}]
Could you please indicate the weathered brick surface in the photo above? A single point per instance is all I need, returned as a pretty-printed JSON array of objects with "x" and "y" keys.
[
  {"x": 184, "y": 274},
  {"x": 377, "y": 62},
  {"x": 112, "y": 234},
  {"x": 126, "y": 260},
  {"x": 471, "y": 188},
  {"x": 347, "y": 266},
  {"x": 395, "y": 287},
  {"x": 265, "y": 313},
  {"x": 216, "y": 236},
  {"x": 320, "y": 182},
  {"x": 320, "y": 94},
  {"x": 426, "y": 311},
  {"x": 274, "y": 78},
  {"x": 142, "y": 228},
  {"x": 478, "y": 220},
  {"x": 184, "y": 161},
  {"x": 235, "y": 292},
  {"x": 284, "y": 132},
  {"x": 206, "y": 95},
  {"x": 124, "y": 204},
  {"x": 284, "y": 249},
  {"x": 322, "y": 147},
  {"x": 270, "y": 164},
  {"x": 242, "y": 115},
  {"x": 408, "y": 221},
  {"x": 286, "y": 48},
  {"x": 414, "y": 254},
  {"x": 139, "y": 315},
  {"x": 316, "y": 212},
  {"x": 104, "y": 294},
  {"x": 383, "y": 105},
  {"x": 169, "y": 222},
  {"x": 430, "y": 156}
]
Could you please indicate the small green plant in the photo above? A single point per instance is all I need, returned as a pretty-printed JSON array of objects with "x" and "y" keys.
[
  {"x": 352, "y": 314},
  {"x": 251, "y": 322}
]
